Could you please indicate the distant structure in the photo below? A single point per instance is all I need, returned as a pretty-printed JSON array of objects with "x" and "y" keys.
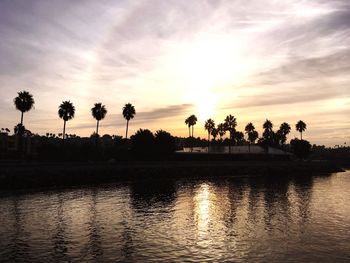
[{"x": 254, "y": 149}]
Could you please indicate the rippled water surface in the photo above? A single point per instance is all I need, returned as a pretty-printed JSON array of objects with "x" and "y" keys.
[{"x": 238, "y": 219}]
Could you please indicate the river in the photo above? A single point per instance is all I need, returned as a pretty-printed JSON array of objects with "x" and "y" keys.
[{"x": 246, "y": 219}]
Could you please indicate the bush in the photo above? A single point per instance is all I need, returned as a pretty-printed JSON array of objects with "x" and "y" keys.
[
  {"x": 164, "y": 143},
  {"x": 300, "y": 148},
  {"x": 142, "y": 142}
]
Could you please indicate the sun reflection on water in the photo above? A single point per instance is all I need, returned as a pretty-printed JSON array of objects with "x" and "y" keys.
[{"x": 202, "y": 204}]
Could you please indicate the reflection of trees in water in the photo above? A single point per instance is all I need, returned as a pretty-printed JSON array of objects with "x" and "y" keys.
[
  {"x": 20, "y": 248},
  {"x": 235, "y": 195},
  {"x": 127, "y": 242},
  {"x": 94, "y": 233},
  {"x": 256, "y": 188},
  {"x": 276, "y": 199},
  {"x": 147, "y": 194},
  {"x": 93, "y": 246},
  {"x": 303, "y": 189},
  {"x": 59, "y": 237}
]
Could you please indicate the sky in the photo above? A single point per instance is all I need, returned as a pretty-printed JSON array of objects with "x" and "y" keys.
[{"x": 265, "y": 59}]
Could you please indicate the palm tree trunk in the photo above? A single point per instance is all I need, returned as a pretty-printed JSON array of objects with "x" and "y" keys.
[
  {"x": 208, "y": 140},
  {"x": 229, "y": 143},
  {"x": 249, "y": 146},
  {"x": 127, "y": 127},
  {"x": 64, "y": 129},
  {"x": 97, "y": 127},
  {"x": 189, "y": 131},
  {"x": 192, "y": 130},
  {"x": 22, "y": 117},
  {"x": 301, "y": 135}
]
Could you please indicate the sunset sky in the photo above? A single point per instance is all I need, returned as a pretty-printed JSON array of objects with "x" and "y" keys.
[{"x": 282, "y": 60}]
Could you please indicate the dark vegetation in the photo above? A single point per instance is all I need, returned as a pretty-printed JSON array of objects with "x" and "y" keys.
[
  {"x": 103, "y": 159},
  {"x": 338, "y": 155},
  {"x": 144, "y": 145}
]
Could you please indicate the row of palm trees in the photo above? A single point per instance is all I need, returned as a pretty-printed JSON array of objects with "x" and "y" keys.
[
  {"x": 269, "y": 137},
  {"x": 24, "y": 102}
]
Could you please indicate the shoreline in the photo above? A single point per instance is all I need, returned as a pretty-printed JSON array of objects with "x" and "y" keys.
[{"x": 16, "y": 175}]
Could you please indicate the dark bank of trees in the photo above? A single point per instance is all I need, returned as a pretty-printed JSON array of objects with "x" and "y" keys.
[
  {"x": 269, "y": 138},
  {"x": 145, "y": 143}
]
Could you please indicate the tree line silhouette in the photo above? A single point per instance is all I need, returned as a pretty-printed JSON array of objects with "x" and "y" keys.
[
  {"x": 144, "y": 139},
  {"x": 269, "y": 136}
]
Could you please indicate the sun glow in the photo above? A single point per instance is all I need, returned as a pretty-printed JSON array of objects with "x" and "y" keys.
[
  {"x": 205, "y": 106},
  {"x": 206, "y": 65}
]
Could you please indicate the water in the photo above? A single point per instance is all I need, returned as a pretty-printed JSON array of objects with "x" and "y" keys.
[{"x": 234, "y": 219}]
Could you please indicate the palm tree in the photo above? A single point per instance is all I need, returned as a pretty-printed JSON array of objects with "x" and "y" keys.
[
  {"x": 214, "y": 133},
  {"x": 238, "y": 138},
  {"x": 188, "y": 123},
  {"x": 193, "y": 121},
  {"x": 221, "y": 129},
  {"x": 230, "y": 125},
  {"x": 268, "y": 132},
  {"x": 268, "y": 125},
  {"x": 252, "y": 134},
  {"x": 128, "y": 113},
  {"x": 209, "y": 126},
  {"x": 283, "y": 131},
  {"x": 24, "y": 102},
  {"x": 98, "y": 112},
  {"x": 66, "y": 112},
  {"x": 300, "y": 127}
]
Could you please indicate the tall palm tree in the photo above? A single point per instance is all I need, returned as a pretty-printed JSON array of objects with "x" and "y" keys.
[
  {"x": 98, "y": 112},
  {"x": 300, "y": 127},
  {"x": 268, "y": 132},
  {"x": 249, "y": 128},
  {"x": 128, "y": 113},
  {"x": 252, "y": 134},
  {"x": 24, "y": 102},
  {"x": 66, "y": 112},
  {"x": 221, "y": 129},
  {"x": 267, "y": 125},
  {"x": 209, "y": 126},
  {"x": 214, "y": 133},
  {"x": 283, "y": 131},
  {"x": 230, "y": 125},
  {"x": 239, "y": 138},
  {"x": 193, "y": 121},
  {"x": 188, "y": 123}
]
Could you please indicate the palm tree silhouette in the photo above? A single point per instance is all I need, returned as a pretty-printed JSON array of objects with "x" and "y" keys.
[
  {"x": 283, "y": 131},
  {"x": 98, "y": 112},
  {"x": 300, "y": 127},
  {"x": 221, "y": 130},
  {"x": 24, "y": 102},
  {"x": 268, "y": 125},
  {"x": 66, "y": 112},
  {"x": 128, "y": 113},
  {"x": 209, "y": 126},
  {"x": 193, "y": 121},
  {"x": 188, "y": 123},
  {"x": 214, "y": 133},
  {"x": 252, "y": 133},
  {"x": 230, "y": 125},
  {"x": 268, "y": 132}
]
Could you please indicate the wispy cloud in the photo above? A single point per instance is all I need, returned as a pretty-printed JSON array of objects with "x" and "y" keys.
[{"x": 167, "y": 56}]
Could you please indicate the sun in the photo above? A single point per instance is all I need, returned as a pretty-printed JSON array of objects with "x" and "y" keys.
[
  {"x": 205, "y": 105},
  {"x": 205, "y": 66}
]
